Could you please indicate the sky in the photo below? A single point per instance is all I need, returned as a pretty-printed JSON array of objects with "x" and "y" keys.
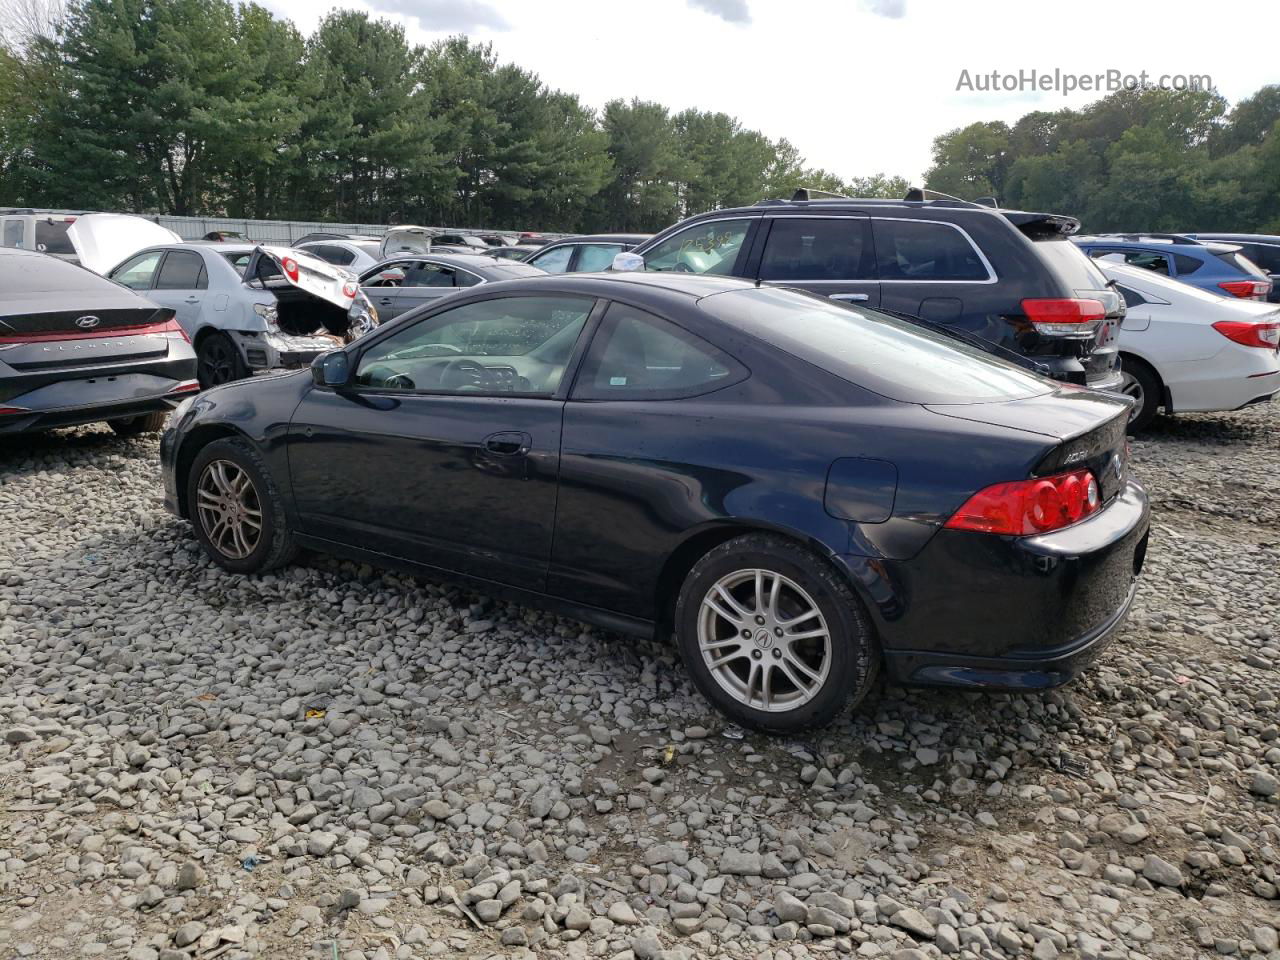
[{"x": 859, "y": 86}]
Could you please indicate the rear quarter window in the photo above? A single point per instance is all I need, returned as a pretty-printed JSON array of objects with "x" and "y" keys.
[
  {"x": 919, "y": 250},
  {"x": 892, "y": 357},
  {"x": 51, "y": 236}
]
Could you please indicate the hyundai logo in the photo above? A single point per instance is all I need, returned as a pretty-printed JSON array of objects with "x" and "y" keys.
[{"x": 87, "y": 322}]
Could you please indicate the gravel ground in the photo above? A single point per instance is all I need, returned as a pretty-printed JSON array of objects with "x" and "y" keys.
[{"x": 337, "y": 762}]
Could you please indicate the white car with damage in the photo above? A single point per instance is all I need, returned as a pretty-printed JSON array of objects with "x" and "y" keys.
[{"x": 249, "y": 309}]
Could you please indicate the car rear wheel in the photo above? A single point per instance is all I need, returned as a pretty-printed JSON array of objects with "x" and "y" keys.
[
  {"x": 1141, "y": 384},
  {"x": 218, "y": 361},
  {"x": 236, "y": 509},
  {"x": 142, "y": 423},
  {"x": 772, "y": 636}
]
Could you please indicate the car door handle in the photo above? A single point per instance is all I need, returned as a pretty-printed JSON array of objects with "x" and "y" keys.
[
  {"x": 856, "y": 297},
  {"x": 191, "y": 300},
  {"x": 384, "y": 301},
  {"x": 509, "y": 444}
]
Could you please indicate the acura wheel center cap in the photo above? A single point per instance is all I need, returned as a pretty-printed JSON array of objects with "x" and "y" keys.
[{"x": 764, "y": 639}]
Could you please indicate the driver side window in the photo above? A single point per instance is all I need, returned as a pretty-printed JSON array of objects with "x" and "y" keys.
[{"x": 506, "y": 345}]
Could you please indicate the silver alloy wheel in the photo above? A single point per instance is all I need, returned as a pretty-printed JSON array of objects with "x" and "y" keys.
[
  {"x": 229, "y": 509},
  {"x": 764, "y": 640},
  {"x": 1131, "y": 386}
]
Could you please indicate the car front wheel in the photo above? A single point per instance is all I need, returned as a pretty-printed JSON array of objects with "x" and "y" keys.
[
  {"x": 236, "y": 509},
  {"x": 773, "y": 636}
]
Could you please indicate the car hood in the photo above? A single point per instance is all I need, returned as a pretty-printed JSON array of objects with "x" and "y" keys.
[
  {"x": 309, "y": 274},
  {"x": 103, "y": 240}
]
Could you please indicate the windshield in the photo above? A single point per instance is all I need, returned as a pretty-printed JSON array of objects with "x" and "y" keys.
[{"x": 889, "y": 356}]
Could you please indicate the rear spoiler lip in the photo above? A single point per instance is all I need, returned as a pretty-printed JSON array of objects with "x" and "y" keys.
[{"x": 1052, "y": 222}]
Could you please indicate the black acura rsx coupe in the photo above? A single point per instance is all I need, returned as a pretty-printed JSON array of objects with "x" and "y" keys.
[{"x": 802, "y": 491}]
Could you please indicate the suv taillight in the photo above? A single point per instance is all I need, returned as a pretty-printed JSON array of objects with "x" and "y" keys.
[
  {"x": 1265, "y": 335},
  {"x": 1064, "y": 316},
  {"x": 1247, "y": 289},
  {"x": 1027, "y": 507}
]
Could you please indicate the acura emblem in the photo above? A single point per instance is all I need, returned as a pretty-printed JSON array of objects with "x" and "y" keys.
[{"x": 87, "y": 322}]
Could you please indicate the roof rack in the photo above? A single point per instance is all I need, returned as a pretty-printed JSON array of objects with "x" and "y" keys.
[
  {"x": 1178, "y": 238},
  {"x": 987, "y": 202},
  {"x": 809, "y": 193}
]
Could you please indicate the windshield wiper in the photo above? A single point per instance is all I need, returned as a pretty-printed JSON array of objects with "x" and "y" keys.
[{"x": 982, "y": 343}]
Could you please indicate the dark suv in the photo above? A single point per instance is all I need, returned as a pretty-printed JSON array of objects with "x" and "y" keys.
[{"x": 1007, "y": 276}]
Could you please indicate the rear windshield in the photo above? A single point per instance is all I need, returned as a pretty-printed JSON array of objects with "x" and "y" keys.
[
  {"x": 1070, "y": 263},
  {"x": 369, "y": 247},
  {"x": 32, "y": 273},
  {"x": 1242, "y": 263},
  {"x": 892, "y": 357},
  {"x": 51, "y": 236}
]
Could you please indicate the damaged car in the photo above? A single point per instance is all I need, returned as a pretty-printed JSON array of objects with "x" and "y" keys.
[{"x": 248, "y": 309}]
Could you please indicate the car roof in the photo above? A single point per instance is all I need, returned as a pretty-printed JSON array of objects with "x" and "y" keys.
[
  {"x": 601, "y": 238},
  {"x": 1239, "y": 237},
  {"x": 1162, "y": 245}
]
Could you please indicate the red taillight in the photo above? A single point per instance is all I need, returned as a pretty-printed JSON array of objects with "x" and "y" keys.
[
  {"x": 10, "y": 411},
  {"x": 172, "y": 326},
  {"x": 186, "y": 386},
  {"x": 1247, "y": 289},
  {"x": 1264, "y": 335},
  {"x": 1064, "y": 316},
  {"x": 349, "y": 289},
  {"x": 1026, "y": 507},
  {"x": 290, "y": 266}
]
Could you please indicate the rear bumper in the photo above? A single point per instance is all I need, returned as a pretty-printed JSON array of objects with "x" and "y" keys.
[
  {"x": 1014, "y": 670},
  {"x": 1012, "y": 613},
  {"x": 104, "y": 396}
]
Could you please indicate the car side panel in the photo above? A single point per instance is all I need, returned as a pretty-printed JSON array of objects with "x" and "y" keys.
[{"x": 639, "y": 478}]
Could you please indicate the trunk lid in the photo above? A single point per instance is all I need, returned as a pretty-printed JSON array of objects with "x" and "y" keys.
[
  {"x": 1089, "y": 428},
  {"x": 405, "y": 240},
  {"x": 273, "y": 268},
  {"x": 102, "y": 240}
]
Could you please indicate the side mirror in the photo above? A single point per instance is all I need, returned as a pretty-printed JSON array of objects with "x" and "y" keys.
[
  {"x": 628, "y": 262},
  {"x": 331, "y": 369}
]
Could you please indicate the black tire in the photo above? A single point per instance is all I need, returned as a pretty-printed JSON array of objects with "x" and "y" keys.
[
  {"x": 1146, "y": 387},
  {"x": 854, "y": 656},
  {"x": 274, "y": 545},
  {"x": 142, "y": 423},
  {"x": 218, "y": 361}
]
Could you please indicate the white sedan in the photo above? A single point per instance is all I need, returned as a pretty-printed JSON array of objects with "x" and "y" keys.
[{"x": 1185, "y": 349}]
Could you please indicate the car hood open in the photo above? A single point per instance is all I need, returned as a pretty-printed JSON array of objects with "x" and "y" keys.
[{"x": 103, "y": 240}]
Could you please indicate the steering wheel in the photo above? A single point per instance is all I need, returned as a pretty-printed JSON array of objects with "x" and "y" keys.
[
  {"x": 681, "y": 267},
  {"x": 399, "y": 381},
  {"x": 463, "y": 372}
]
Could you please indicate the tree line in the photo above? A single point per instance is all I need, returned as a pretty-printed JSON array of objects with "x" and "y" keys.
[
  {"x": 204, "y": 107},
  {"x": 197, "y": 107},
  {"x": 1141, "y": 159}
]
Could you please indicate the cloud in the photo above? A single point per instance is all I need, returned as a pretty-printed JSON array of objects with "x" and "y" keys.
[
  {"x": 731, "y": 11},
  {"x": 893, "y": 9},
  {"x": 446, "y": 16}
]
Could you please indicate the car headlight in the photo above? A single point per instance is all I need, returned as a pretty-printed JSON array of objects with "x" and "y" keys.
[{"x": 268, "y": 312}]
